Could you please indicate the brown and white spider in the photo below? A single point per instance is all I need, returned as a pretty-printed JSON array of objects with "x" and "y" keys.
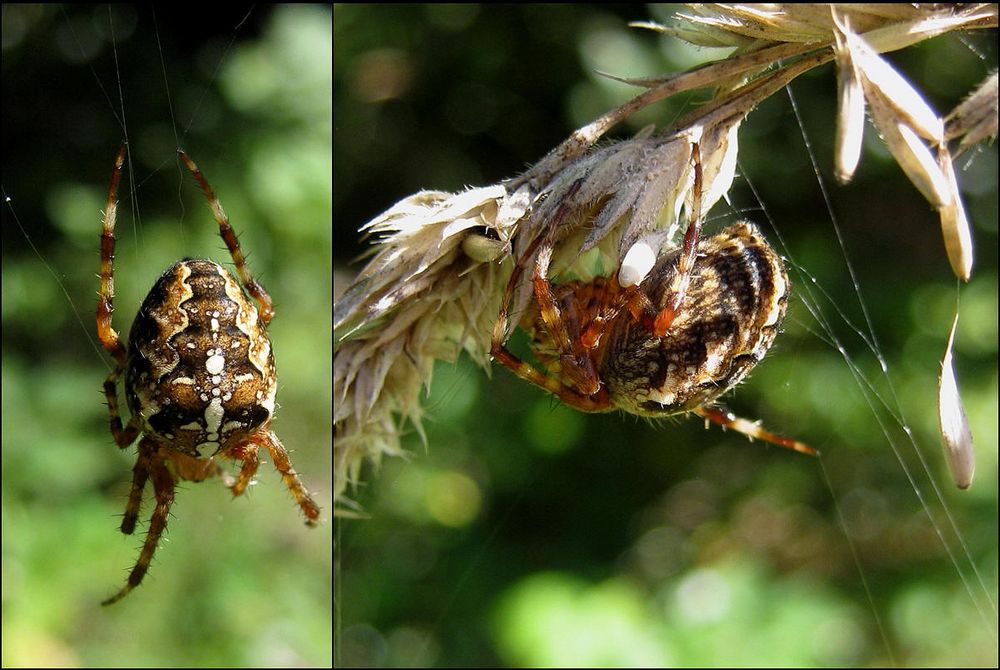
[
  {"x": 199, "y": 374},
  {"x": 672, "y": 343}
]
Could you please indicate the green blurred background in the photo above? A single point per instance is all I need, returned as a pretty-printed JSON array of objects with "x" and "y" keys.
[
  {"x": 236, "y": 582},
  {"x": 530, "y": 534}
]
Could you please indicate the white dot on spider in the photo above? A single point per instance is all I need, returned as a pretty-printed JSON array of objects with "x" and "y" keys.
[
  {"x": 215, "y": 363},
  {"x": 637, "y": 263}
]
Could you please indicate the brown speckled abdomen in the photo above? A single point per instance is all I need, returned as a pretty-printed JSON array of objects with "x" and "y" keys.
[
  {"x": 200, "y": 370},
  {"x": 731, "y": 314}
]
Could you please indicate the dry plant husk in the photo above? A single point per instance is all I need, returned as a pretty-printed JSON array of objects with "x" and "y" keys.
[{"x": 441, "y": 260}]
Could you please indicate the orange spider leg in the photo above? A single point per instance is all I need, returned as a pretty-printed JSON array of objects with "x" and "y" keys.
[
  {"x": 253, "y": 287},
  {"x": 288, "y": 475},
  {"x": 247, "y": 454},
  {"x": 123, "y": 436},
  {"x": 574, "y": 358},
  {"x": 105, "y": 305},
  {"x": 630, "y": 298},
  {"x": 633, "y": 298},
  {"x": 598, "y": 402},
  {"x": 727, "y": 419},
  {"x": 685, "y": 264},
  {"x": 247, "y": 451},
  {"x": 587, "y": 396},
  {"x": 182, "y": 467},
  {"x": 191, "y": 469}
]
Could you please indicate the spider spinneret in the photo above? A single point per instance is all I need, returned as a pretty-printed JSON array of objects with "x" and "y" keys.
[
  {"x": 200, "y": 380},
  {"x": 691, "y": 329}
]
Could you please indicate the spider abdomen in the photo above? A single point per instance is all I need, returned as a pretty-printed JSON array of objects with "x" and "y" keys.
[
  {"x": 200, "y": 371},
  {"x": 732, "y": 311}
]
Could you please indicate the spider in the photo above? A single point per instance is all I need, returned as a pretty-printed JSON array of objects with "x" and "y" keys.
[
  {"x": 199, "y": 375},
  {"x": 692, "y": 329}
]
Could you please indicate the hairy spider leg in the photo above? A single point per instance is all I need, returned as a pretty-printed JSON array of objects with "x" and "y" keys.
[
  {"x": 635, "y": 300},
  {"x": 247, "y": 451},
  {"x": 252, "y": 286},
  {"x": 752, "y": 430},
  {"x": 140, "y": 474},
  {"x": 123, "y": 436},
  {"x": 165, "y": 465},
  {"x": 279, "y": 456},
  {"x": 575, "y": 360},
  {"x": 163, "y": 489},
  {"x": 685, "y": 264}
]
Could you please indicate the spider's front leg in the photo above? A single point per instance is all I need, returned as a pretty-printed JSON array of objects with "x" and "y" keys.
[
  {"x": 584, "y": 391},
  {"x": 634, "y": 298},
  {"x": 140, "y": 473},
  {"x": 247, "y": 455},
  {"x": 288, "y": 475},
  {"x": 564, "y": 329},
  {"x": 246, "y": 451},
  {"x": 123, "y": 436},
  {"x": 163, "y": 489}
]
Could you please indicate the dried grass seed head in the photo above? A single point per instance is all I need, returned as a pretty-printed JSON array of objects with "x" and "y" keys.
[{"x": 424, "y": 296}]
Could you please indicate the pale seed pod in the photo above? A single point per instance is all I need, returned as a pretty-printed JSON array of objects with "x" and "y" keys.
[
  {"x": 955, "y": 224},
  {"x": 850, "y": 113},
  {"x": 956, "y": 436}
]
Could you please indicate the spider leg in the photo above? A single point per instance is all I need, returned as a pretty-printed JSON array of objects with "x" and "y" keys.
[
  {"x": 123, "y": 436},
  {"x": 689, "y": 251},
  {"x": 587, "y": 395},
  {"x": 247, "y": 453},
  {"x": 636, "y": 301},
  {"x": 105, "y": 304},
  {"x": 597, "y": 402},
  {"x": 283, "y": 465},
  {"x": 727, "y": 419},
  {"x": 192, "y": 469},
  {"x": 253, "y": 287},
  {"x": 631, "y": 298},
  {"x": 105, "y": 307},
  {"x": 575, "y": 359},
  {"x": 163, "y": 487},
  {"x": 503, "y": 321},
  {"x": 140, "y": 473}
]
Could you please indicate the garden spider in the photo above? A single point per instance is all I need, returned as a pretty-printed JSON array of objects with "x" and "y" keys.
[
  {"x": 199, "y": 374},
  {"x": 692, "y": 329}
]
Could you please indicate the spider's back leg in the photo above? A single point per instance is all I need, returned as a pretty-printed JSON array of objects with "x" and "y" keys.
[
  {"x": 124, "y": 436},
  {"x": 252, "y": 286}
]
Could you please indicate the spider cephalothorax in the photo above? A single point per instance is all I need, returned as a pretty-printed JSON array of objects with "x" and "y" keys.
[
  {"x": 199, "y": 375},
  {"x": 692, "y": 328}
]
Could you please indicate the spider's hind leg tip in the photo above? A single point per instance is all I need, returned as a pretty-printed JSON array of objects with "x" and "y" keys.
[{"x": 116, "y": 597}]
